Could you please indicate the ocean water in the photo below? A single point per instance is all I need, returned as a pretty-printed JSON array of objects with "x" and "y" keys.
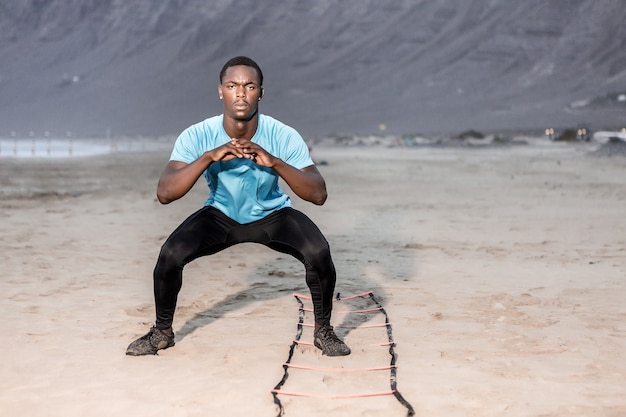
[{"x": 78, "y": 147}]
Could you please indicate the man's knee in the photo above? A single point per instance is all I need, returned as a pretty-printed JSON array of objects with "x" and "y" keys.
[
  {"x": 171, "y": 255},
  {"x": 319, "y": 254}
]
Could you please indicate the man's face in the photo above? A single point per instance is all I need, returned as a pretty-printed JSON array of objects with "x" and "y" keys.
[{"x": 241, "y": 92}]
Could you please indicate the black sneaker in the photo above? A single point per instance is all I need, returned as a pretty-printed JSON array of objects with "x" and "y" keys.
[
  {"x": 327, "y": 341},
  {"x": 150, "y": 343}
]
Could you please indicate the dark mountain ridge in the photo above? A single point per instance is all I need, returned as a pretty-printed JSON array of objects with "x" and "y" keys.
[{"x": 151, "y": 67}]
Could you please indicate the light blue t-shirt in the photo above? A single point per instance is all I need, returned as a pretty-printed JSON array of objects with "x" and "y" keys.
[{"x": 240, "y": 188}]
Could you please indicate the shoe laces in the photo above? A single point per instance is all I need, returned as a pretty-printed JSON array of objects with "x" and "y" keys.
[{"x": 327, "y": 333}]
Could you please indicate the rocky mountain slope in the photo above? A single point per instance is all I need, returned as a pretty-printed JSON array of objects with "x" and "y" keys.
[{"x": 150, "y": 67}]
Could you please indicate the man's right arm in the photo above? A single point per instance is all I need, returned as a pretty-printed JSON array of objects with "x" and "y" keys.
[{"x": 179, "y": 177}]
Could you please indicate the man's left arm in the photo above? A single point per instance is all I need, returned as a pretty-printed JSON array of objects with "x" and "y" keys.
[{"x": 307, "y": 183}]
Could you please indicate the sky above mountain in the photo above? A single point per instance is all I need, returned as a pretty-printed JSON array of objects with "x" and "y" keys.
[{"x": 150, "y": 67}]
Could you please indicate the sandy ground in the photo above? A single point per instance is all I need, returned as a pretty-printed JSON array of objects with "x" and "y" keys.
[{"x": 501, "y": 269}]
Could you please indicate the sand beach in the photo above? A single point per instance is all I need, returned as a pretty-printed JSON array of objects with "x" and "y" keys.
[{"x": 501, "y": 269}]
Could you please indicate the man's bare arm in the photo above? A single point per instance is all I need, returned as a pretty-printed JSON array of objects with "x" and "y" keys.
[
  {"x": 307, "y": 183},
  {"x": 179, "y": 177}
]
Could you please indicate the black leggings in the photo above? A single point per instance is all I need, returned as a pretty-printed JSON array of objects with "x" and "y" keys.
[{"x": 209, "y": 231}]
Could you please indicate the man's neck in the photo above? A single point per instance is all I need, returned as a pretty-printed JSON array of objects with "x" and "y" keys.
[{"x": 241, "y": 129}]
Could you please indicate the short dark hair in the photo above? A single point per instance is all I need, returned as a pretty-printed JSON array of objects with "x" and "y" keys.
[{"x": 242, "y": 60}]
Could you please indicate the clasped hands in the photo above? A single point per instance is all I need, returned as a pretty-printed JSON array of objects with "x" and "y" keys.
[{"x": 244, "y": 148}]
